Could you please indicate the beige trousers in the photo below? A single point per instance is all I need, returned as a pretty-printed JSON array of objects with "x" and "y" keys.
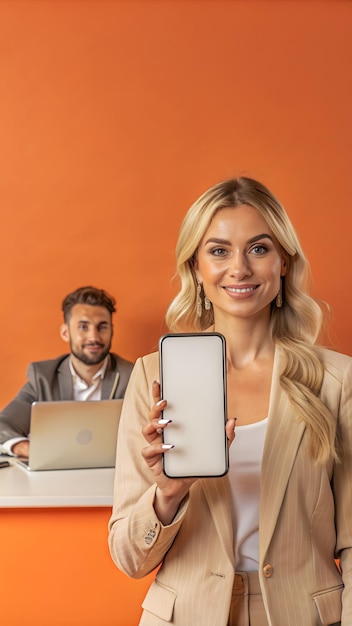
[{"x": 247, "y": 608}]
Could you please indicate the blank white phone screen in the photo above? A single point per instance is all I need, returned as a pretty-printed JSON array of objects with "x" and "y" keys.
[{"x": 193, "y": 381}]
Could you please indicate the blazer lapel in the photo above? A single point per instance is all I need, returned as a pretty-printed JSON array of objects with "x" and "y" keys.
[
  {"x": 283, "y": 437},
  {"x": 218, "y": 495},
  {"x": 110, "y": 382},
  {"x": 65, "y": 380}
]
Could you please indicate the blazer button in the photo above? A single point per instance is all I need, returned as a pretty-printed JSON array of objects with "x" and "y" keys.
[{"x": 268, "y": 570}]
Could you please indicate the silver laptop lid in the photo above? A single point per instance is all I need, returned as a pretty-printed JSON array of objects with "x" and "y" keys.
[{"x": 72, "y": 434}]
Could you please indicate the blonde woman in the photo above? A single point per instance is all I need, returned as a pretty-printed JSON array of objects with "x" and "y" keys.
[{"x": 259, "y": 546}]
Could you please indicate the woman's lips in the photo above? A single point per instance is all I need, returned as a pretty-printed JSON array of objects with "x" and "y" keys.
[{"x": 243, "y": 290}]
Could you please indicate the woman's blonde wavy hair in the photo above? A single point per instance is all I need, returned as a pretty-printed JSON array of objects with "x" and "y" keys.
[{"x": 295, "y": 327}]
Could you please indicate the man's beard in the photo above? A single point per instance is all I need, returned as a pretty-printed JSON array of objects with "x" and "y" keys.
[{"x": 93, "y": 359}]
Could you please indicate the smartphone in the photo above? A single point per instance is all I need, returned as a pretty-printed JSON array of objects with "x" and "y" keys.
[{"x": 193, "y": 381}]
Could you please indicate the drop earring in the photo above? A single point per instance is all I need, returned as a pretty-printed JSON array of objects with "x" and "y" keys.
[
  {"x": 278, "y": 300},
  {"x": 207, "y": 303},
  {"x": 199, "y": 300}
]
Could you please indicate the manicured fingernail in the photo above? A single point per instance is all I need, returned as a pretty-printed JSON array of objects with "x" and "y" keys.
[
  {"x": 162, "y": 422},
  {"x": 159, "y": 403},
  {"x": 167, "y": 446}
]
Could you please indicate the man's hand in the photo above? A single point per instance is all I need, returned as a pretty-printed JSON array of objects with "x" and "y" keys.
[{"x": 21, "y": 449}]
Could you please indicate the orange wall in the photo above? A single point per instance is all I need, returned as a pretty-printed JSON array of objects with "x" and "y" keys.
[
  {"x": 65, "y": 576},
  {"x": 115, "y": 116}
]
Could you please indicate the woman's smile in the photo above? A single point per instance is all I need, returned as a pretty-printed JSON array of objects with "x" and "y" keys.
[{"x": 243, "y": 291}]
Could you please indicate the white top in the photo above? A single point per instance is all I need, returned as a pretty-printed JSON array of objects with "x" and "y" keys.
[{"x": 246, "y": 453}]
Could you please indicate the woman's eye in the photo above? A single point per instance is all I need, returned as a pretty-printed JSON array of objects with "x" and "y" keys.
[
  {"x": 218, "y": 251},
  {"x": 259, "y": 249}
]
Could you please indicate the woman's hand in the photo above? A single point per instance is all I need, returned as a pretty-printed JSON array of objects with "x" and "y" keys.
[
  {"x": 230, "y": 429},
  {"x": 170, "y": 491}
]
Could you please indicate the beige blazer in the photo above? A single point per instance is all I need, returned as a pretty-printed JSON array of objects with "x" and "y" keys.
[{"x": 305, "y": 519}]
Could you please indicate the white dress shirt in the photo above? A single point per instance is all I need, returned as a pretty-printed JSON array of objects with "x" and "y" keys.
[{"x": 81, "y": 390}]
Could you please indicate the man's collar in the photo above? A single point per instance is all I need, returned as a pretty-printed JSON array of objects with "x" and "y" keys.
[{"x": 101, "y": 371}]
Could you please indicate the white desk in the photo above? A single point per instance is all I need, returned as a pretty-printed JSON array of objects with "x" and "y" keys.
[{"x": 20, "y": 488}]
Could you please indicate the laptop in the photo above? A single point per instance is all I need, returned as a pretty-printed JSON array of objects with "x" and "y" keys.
[{"x": 70, "y": 434}]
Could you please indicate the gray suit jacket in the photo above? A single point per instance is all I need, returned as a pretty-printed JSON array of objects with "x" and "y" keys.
[
  {"x": 305, "y": 518},
  {"x": 52, "y": 380}
]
